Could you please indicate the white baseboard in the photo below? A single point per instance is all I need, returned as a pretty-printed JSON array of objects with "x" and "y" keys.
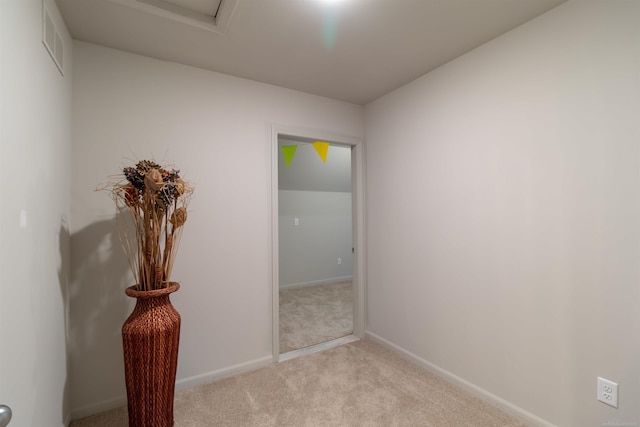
[
  {"x": 317, "y": 282},
  {"x": 481, "y": 393},
  {"x": 223, "y": 373},
  {"x": 96, "y": 408},
  {"x": 181, "y": 384}
]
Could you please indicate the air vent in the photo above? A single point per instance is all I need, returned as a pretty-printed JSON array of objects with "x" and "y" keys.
[
  {"x": 211, "y": 15},
  {"x": 52, "y": 40}
]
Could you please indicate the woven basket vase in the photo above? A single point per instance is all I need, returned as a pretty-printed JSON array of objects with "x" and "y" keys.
[{"x": 150, "y": 338}]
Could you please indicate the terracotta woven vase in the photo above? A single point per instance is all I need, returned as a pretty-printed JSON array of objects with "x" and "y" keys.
[{"x": 150, "y": 338}]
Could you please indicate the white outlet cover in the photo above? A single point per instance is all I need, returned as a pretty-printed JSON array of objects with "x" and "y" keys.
[{"x": 608, "y": 392}]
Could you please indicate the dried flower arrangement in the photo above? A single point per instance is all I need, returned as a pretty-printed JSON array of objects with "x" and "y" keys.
[{"x": 152, "y": 201}]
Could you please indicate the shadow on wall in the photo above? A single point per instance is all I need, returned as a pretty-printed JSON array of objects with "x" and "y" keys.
[
  {"x": 98, "y": 307},
  {"x": 63, "y": 280}
]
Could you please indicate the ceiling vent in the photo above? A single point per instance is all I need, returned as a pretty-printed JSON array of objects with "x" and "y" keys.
[{"x": 210, "y": 15}]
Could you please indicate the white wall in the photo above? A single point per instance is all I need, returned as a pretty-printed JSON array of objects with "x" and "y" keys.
[
  {"x": 309, "y": 251},
  {"x": 35, "y": 160},
  {"x": 504, "y": 214},
  {"x": 217, "y": 130}
]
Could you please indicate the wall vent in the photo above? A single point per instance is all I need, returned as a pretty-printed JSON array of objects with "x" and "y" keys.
[{"x": 51, "y": 39}]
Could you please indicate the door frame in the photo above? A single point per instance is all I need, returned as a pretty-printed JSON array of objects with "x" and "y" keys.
[{"x": 358, "y": 224}]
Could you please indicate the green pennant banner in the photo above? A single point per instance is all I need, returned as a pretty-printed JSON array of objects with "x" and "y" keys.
[{"x": 288, "y": 151}]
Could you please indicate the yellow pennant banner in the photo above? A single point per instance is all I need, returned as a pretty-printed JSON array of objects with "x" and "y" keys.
[{"x": 322, "y": 148}]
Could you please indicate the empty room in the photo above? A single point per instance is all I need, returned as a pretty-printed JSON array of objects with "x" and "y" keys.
[{"x": 401, "y": 212}]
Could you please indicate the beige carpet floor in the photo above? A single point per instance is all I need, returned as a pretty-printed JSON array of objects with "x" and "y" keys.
[
  {"x": 356, "y": 384},
  {"x": 315, "y": 314}
]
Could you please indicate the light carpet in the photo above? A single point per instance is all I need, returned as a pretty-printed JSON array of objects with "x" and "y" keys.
[
  {"x": 315, "y": 314},
  {"x": 356, "y": 384}
]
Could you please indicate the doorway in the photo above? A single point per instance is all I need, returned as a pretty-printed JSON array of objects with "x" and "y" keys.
[{"x": 317, "y": 236}]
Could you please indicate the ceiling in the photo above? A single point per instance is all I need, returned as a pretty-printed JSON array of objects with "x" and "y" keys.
[{"x": 351, "y": 50}]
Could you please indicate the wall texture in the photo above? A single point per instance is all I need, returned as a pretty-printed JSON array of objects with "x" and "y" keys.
[
  {"x": 503, "y": 214},
  {"x": 35, "y": 163},
  {"x": 217, "y": 130}
]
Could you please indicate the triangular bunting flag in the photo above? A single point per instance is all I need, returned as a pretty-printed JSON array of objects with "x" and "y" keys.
[
  {"x": 322, "y": 148},
  {"x": 288, "y": 151}
]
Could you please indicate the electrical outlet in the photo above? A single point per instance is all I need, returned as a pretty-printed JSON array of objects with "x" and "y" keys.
[
  {"x": 608, "y": 392},
  {"x": 339, "y": 261}
]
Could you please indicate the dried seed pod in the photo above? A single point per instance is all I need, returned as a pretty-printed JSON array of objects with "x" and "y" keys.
[
  {"x": 134, "y": 177},
  {"x": 153, "y": 180},
  {"x": 156, "y": 175},
  {"x": 179, "y": 217},
  {"x": 145, "y": 166},
  {"x": 179, "y": 187}
]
